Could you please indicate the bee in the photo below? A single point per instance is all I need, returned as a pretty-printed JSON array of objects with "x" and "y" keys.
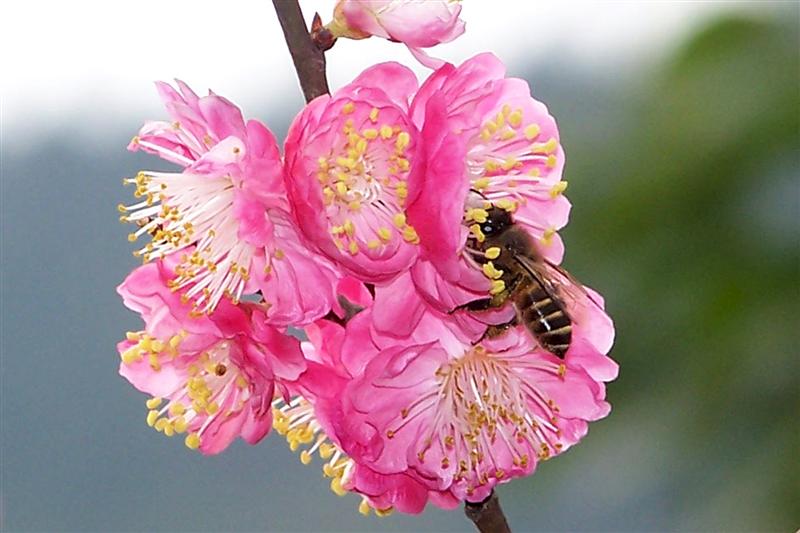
[{"x": 539, "y": 290}]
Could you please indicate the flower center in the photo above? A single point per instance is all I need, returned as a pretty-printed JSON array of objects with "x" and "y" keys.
[
  {"x": 508, "y": 163},
  {"x": 364, "y": 185},
  {"x": 181, "y": 210},
  {"x": 484, "y": 417},
  {"x": 214, "y": 386}
]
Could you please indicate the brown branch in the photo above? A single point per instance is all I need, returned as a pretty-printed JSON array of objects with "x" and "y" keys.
[
  {"x": 487, "y": 515},
  {"x": 309, "y": 60}
]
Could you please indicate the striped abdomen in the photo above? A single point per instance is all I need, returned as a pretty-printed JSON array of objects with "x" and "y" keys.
[{"x": 545, "y": 317}]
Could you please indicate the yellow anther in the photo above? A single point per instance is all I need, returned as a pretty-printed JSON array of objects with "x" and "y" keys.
[
  {"x": 132, "y": 237},
  {"x": 152, "y": 416},
  {"x": 490, "y": 165},
  {"x": 535, "y": 172},
  {"x": 370, "y": 133},
  {"x": 506, "y": 204},
  {"x": 476, "y": 231},
  {"x": 152, "y": 403},
  {"x": 131, "y": 355},
  {"x": 498, "y": 286},
  {"x": 352, "y": 248},
  {"x": 336, "y": 487},
  {"x": 161, "y": 423},
  {"x": 341, "y": 188},
  {"x": 399, "y": 220},
  {"x": 326, "y": 450},
  {"x": 157, "y": 346},
  {"x": 212, "y": 408},
  {"x": 327, "y": 470},
  {"x": 384, "y": 233},
  {"x": 403, "y": 139},
  {"x": 479, "y": 215},
  {"x": 481, "y": 183},
  {"x": 364, "y": 508},
  {"x": 348, "y": 108},
  {"x": 493, "y": 252},
  {"x": 410, "y": 235},
  {"x": 546, "y": 147},
  {"x": 121, "y": 208},
  {"x": 322, "y": 163},
  {"x": 192, "y": 441},
  {"x": 176, "y": 409},
  {"x": 507, "y": 135},
  {"x": 386, "y": 131},
  {"x": 491, "y": 127},
  {"x": 133, "y": 336},
  {"x": 180, "y": 425},
  {"x": 384, "y": 512},
  {"x": 551, "y": 161},
  {"x": 373, "y": 244},
  {"x": 349, "y": 227},
  {"x": 354, "y": 205},
  {"x": 305, "y": 457},
  {"x": 532, "y": 131},
  {"x": 486, "y": 135},
  {"x": 547, "y": 237},
  {"x": 169, "y": 430},
  {"x": 279, "y": 254},
  {"x": 373, "y": 115},
  {"x": 509, "y": 163},
  {"x": 175, "y": 341},
  {"x": 558, "y": 188},
  {"x": 515, "y": 118},
  {"x": 491, "y": 272}
]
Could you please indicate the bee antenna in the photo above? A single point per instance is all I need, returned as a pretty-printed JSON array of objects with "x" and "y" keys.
[{"x": 479, "y": 193}]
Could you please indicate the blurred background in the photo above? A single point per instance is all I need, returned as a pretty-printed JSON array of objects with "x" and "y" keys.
[{"x": 680, "y": 122}]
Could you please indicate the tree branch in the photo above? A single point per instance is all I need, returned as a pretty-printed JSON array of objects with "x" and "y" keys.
[
  {"x": 487, "y": 515},
  {"x": 309, "y": 60}
]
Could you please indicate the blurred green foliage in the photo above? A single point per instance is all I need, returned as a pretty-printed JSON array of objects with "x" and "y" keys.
[{"x": 687, "y": 220}]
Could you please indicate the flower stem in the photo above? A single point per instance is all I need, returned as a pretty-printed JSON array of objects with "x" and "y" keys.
[
  {"x": 309, "y": 60},
  {"x": 487, "y": 515}
]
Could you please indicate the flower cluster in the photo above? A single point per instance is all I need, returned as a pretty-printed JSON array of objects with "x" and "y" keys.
[{"x": 409, "y": 234}]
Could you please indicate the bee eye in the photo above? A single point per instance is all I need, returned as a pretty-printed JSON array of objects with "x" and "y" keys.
[{"x": 487, "y": 229}]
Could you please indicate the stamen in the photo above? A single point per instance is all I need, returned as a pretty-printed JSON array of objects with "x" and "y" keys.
[{"x": 480, "y": 406}]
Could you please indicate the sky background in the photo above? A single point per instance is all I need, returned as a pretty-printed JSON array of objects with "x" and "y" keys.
[{"x": 680, "y": 123}]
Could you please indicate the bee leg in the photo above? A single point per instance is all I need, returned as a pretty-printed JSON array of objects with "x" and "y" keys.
[
  {"x": 497, "y": 329},
  {"x": 484, "y": 304}
]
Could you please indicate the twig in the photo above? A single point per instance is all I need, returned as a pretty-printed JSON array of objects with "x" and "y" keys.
[
  {"x": 309, "y": 60},
  {"x": 487, "y": 515}
]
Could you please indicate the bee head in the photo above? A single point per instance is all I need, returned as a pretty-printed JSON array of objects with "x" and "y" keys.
[{"x": 497, "y": 221}]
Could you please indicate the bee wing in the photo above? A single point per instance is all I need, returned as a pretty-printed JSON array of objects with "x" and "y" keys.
[
  {"x": 573, "y": 283},
  {"x": 560, "y": 285},
  {"x": 540, "y": 273}
]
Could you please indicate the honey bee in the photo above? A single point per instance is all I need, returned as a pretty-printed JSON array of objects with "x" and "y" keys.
[{"x": 538, "y": 289}]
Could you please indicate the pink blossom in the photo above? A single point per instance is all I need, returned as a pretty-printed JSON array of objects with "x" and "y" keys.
[
  {"x": 226, "y": 213},
  {"x": 484, "y": 141},
  {"x": 462, "y": 417},
  {"x": 314, "y": 423},
  {"x": 416, "y": 23},
  {"x": 211, "y": 377},
  {"x": 348, "y": 158}
]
